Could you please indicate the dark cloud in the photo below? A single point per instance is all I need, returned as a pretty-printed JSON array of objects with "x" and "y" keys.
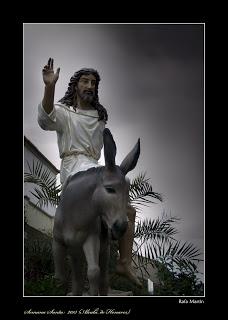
[{"x": 178, "y": 42}]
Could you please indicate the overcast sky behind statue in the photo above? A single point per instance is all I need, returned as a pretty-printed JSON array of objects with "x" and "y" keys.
[{"x": 152, "y": 82}]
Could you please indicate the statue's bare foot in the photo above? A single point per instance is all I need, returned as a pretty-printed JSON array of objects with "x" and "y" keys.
[{"x": 125, "y": 270}]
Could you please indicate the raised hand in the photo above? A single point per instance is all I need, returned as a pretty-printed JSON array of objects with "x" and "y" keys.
[{"x": 49, "y": 77}]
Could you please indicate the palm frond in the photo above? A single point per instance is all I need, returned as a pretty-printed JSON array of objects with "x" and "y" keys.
[
  {"x": 185, "y": 251},
  {"x": 157, "y": 229},
  {"x": 46, "y": 197},
  {"x": 39, "y": 175},
  {"x": 141, "y": 191},
  {"x": 47, "y": 191},
  {"x": 156, "y": 244},
  {"x": 175, "y": 255}
]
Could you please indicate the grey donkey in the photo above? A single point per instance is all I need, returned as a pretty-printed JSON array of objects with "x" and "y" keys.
[{"x": 91, "y": 212}]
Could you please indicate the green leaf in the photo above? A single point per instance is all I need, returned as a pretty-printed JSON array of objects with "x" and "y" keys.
[
  {"x": 141, "y": 192},
  {"x": 47, "y": 192}
]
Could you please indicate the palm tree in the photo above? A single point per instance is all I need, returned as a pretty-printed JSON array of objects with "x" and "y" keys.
[
  {"x": 154, "y": 239},
  {"x": 155, "y": 243}
]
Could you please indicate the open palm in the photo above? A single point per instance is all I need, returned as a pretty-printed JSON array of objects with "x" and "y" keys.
[{"x": 49, "y": 77}]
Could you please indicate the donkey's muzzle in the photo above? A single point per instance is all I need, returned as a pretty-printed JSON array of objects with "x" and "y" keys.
[{"x": 118, "y": 229}]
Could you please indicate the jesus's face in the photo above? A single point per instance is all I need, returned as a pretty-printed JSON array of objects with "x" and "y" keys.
[{"x": 86, "y": 87}]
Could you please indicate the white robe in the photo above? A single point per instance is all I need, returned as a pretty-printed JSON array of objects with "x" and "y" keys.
[{"x": 80, "y": 137}]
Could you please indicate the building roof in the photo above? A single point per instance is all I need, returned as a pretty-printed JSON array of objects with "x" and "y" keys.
[{"x": 34, "y": 149}]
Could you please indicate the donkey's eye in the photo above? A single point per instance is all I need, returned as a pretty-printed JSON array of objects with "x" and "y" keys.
[{"x": 110, "y": 190}]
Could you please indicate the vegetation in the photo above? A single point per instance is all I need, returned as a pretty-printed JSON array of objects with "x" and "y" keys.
[
  {"x": 182, "y": 283},
  {"x": 46, "y": 189}
]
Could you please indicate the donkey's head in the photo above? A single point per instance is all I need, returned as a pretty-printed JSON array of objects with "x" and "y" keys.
[{"x": 113, "y": 192}]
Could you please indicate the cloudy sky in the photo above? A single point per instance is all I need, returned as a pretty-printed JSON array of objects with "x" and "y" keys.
[{"x": 152, "y": 84}]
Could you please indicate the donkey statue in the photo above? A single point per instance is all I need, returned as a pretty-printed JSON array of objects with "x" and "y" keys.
[{"x": 91, "y": 212}]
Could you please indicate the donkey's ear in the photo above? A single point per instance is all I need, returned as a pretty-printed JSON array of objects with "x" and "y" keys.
[
  {"x": 131, "y": 159},
  {"x": 109, "y": 149}
]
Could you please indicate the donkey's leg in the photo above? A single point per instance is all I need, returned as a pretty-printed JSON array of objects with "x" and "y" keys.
[
  {"x": 104, "y": 263},
  {"x": 91, "y": 249},
  {"x": 77, "y": 273},
  {"x": 59, "y": 256}
]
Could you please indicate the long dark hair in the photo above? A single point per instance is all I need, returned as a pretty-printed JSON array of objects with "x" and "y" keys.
[{"x": 70, "y": 97}]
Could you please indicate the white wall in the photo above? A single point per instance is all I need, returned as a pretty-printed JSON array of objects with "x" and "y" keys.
[{"x": 38, "y": 219}]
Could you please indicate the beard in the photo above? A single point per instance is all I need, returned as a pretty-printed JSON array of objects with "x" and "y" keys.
[{"x": 87, "y": 96}]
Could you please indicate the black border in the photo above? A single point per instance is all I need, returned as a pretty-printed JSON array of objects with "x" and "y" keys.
[{"x": 138, "y": 305}]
